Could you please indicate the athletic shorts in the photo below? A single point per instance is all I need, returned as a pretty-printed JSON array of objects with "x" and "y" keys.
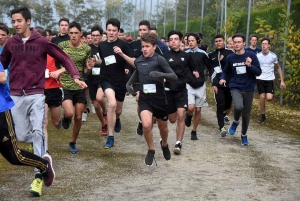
[
  {"x": 119, "y": 92},
  {"x": 176, "y": 99},
  {"x": 265, "y": 86},
  {"x": 93, "y": 88},
  {"x": 54, "y": 97},
  {"x": 77, "y": 96},
  {"x": 158, "y": 111},
  {"x": 197, "y": 96}
]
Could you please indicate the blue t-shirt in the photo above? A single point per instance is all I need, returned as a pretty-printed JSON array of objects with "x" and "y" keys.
[
  {"x": 6, "y": 102},
  {"x": 7, "y": 70},
  {"x": 256, "y": 50}
]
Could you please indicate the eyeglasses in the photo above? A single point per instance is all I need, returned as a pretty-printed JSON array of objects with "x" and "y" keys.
[{"x": 96, "y": 36}]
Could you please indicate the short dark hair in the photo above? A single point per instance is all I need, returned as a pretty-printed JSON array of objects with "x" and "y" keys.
[
  {"x": 164, "y": 38},
  {"x": 200, "y": 35},
  {"x": 64, "y": 19},
  {"x": 174, "y": 32},
  {"x": 196, "y": 36},
  {"x": 114, "y": 22},
  {"x": 149, "y": 38},
  {"x": 219, "y": 36},
  {"x": 49, "y": 31},
  {"x": 24, "y": 11},
  {"x": 84, "y": 34},
  {"x": 267, "y": 39},
  {"x": 75, "y": 24},
  {"x": 54, "y": 33},
  {"x": 145, "y": 23},
  {"x": 153, "y": 28},
  {"x": 97, "y": 27},
  {"x": 253, "y": 35},
  {"x": 4, "y": 28},
  {"x": 41, "y": 30},
  {"x": 121, "y": 30},
  {"x": 239, "y": 35}
]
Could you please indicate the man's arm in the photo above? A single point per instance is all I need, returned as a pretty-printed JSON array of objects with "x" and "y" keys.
[
  {"x": 282, "y": 83},
  {"x": 128, "y": 59},
  {"x": 133, "y": 79},
  {"x": 167, "y": 73}
]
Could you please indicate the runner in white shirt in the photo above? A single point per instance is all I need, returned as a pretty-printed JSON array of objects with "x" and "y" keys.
[{"x": 265, "y": 85}]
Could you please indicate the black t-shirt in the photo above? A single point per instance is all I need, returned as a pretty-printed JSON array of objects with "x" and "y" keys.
[
  {"x": 94, "y": 76},
  {"x": 56, "y": 40},
  {"x": 113, "y": 65}
]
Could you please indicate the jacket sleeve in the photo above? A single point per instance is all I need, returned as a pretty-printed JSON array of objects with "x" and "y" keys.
[
  {"x": 227, "y": 70},
  {"x": 168, "y": 72},
  {"x": 59, "y": 55}
]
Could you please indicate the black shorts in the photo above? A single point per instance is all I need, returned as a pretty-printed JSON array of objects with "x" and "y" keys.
[
  {"x": 93, "y": 88},
  {"x": 119, "y": 92},
  {"x": 54, "y": 97},
  {"x": 158, "y": 111},
  {"x": 177, "y": 99},
  {"x": 265, "y": 86},
  {"x": 77, "y": 96}
]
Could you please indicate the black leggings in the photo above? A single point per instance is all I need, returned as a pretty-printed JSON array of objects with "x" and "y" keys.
[
  {"x": 9, "y": 148},
  {"x": 223, "y": 100}
]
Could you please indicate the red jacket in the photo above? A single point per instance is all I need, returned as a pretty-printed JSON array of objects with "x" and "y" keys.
[
  {"x": 52, "y": 83},
  {"x": 28, "y": 63}
]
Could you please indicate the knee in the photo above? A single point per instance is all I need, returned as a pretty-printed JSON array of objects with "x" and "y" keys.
[
  {"x": 198, "y": 110},
  {"x": 238, "y": 107},
  {"x": 68, "y": 114},
  {"x": 147, "y": 127},
  {"x": 172, "y": 120}
]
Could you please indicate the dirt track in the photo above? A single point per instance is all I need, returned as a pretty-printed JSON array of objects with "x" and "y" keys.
[{"x": 212, "y": 168}]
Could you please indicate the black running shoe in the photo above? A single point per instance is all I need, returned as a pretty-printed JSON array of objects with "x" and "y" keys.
[
  {"x": 66, "y": 122},
  {"x": 194, "y": 135},
  {"x": 177, "y": 149},
  {"x": 139, "y": 130},
  {"x": 166, "y": 151},
  {"x": 150, "y": 157},
  {"x": 188, "y": 120},
  {"x": 262, "y": 119}
]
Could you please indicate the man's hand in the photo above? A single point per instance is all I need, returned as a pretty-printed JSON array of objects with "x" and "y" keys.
[
  {"x": 222, "y": 82},
  {"x": 215, "y": 89},
  {"x": 282, "y": 85},
  {"x": 118, "y": 51},
  {"x": 90, "y": 63},
  {"x": 248, "y": 61},
  {"x": 196, "y": 74},
  {"x": 54, "y": 74},
  {"x": 80, "y": 83}
]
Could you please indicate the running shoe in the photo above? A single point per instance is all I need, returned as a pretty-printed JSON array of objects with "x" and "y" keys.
[
  {"x": 150, "y": 157},
  {"x": 109, "y": 142},
  {"x": 66, "y": 122},
  {"x": 139, "y": 130},
  {"x": 104, "y": 130},
  {"x": 118, "y": 126},
  {"x": 84, "y": 116},
  {"x": 244, "y": 140},
  {"x": 49, "y": 175},
  {"x": 36, "y": 187},
  {"x": 58, "y": 126},
  {"x": 262, "y": 119},
  {"x": 188, "y": 119},
  {"x": 166, "y": 151},
  {"x": 226, "y": 120},
  {"x": 177, "y": 148},
  {"x": 194, "y": 135},
  {"x": 73, "y": 148},
  {"x": 223, "y": 132},
  {"x": 233, "y": 127}
]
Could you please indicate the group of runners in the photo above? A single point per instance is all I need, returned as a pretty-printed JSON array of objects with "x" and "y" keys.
[{"x": 166, "y": 76}]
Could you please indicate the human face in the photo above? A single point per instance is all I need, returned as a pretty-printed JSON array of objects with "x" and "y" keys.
[
  {"x": 89, "y": 39},
  {"x": 3, "y": 37},
  {"x": 265, "y": 46},
  {"x": 185, "y": 40},
  {"x": 174, "y": 42},
  {"x": 96, "y": 37},
  {"x": 48, "y": 35},
  {"x": 163, "y": 40},
  {"x": 148, "y": 49},
  {"x": 63, "y": 27},
  {"x": 75, "y": 36},
  {"x": 104, "y": 37},
  {"x": 83, "y": 39},
  {"x": 143, "y": 29},
  {"x": 112, "y": 32},
  {"x": 154, "y": 31},
  {"x": 253, "y": 41},
  {"x": 219, "y": 43},
  {"x": 181, "y": 46},
  {"x": 20, "y": 24},
  {"x": 239, "y": 44},
  {"x": 192, "y": 42},
  {"x": 230, "y": 45},
  {"x": 121, "y": 36}
]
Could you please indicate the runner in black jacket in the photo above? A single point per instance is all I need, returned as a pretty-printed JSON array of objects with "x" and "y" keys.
[{"x": 221, "y": 92}]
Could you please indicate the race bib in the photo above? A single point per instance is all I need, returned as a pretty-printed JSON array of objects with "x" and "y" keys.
[
  {"x": 96, "y": 71},
  {"x": 149, "y": 88},
  {"x": 110, "y": 60},
  {"x": 241, "y": 70},
  {"x": 47, "y": 73},
  {"x": 218, "y": 69}
]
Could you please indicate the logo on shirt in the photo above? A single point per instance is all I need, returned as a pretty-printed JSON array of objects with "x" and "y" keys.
[
  {"x": 144, "y": 64},
  {"x": 182, "y": 59},
  {"x": 5, "y": 139},
  {"x": 171, "y": 60}
]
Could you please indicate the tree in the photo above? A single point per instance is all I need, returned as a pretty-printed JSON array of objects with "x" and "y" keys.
[{"x": 43, "y": 14}]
